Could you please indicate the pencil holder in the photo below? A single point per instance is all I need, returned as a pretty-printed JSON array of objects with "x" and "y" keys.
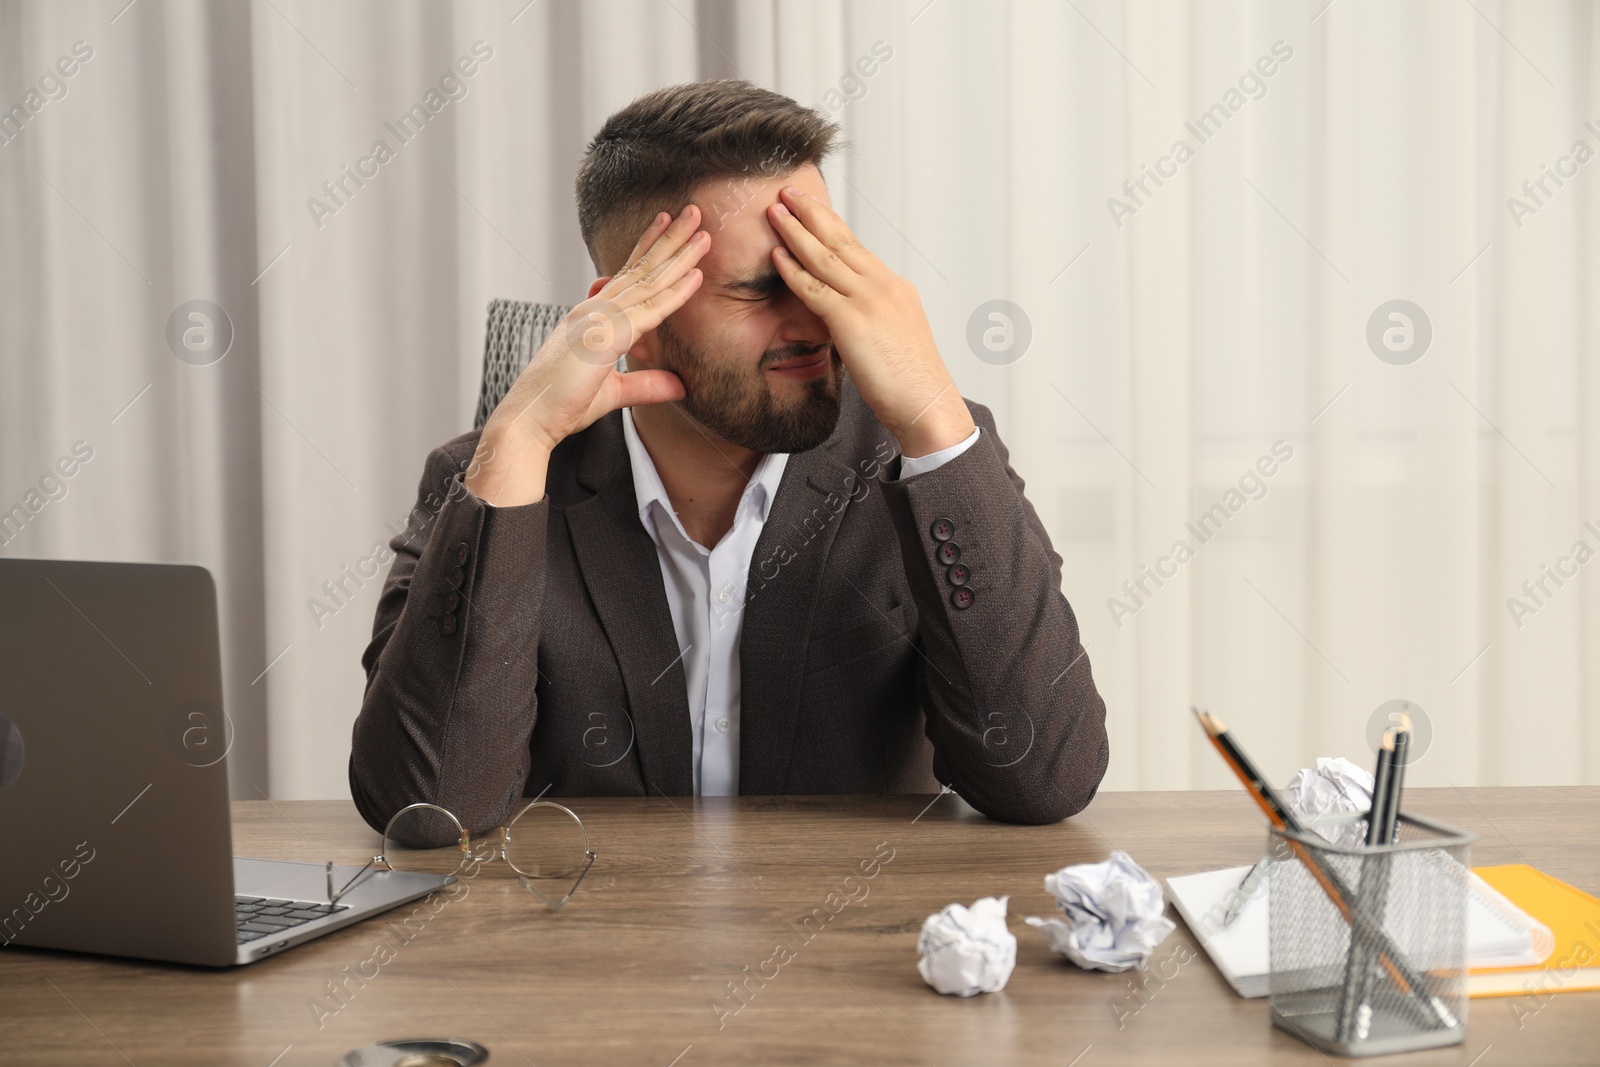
[{"x": 1369, "y": 943}]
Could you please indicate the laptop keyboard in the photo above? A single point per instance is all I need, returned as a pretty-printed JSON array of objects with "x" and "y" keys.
[{"x": 262, "y": 917}]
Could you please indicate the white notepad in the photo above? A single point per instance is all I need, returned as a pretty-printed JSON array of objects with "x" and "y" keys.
[{"x": 1499, "y": 934}]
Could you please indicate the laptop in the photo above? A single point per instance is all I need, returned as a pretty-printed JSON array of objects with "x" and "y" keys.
[{"x": 115, "y": 830}]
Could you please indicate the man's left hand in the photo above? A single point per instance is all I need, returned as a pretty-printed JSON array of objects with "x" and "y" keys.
[{"x": 879, "y": 328}]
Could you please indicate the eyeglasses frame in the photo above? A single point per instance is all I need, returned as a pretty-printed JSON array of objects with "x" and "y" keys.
[{"x": 464, "y": 842}]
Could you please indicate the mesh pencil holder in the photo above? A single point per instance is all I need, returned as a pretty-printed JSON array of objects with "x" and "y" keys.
[{"x": 1369, "y": 943}]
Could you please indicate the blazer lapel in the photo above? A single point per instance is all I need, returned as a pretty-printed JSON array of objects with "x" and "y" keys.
[
  {"x": 618, "y": 562},
  {"x": 805, "y": 515}
]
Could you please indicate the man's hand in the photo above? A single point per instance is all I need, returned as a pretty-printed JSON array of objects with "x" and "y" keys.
[
  {"x": 572, "y": 380},
  {"x": 879, "y": 328}
]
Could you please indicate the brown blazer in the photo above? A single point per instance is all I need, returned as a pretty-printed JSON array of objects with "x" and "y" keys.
[{"x": 530, "y": 649}]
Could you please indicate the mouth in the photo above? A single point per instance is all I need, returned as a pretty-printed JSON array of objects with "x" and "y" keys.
[{"x": 804, "y": 368}]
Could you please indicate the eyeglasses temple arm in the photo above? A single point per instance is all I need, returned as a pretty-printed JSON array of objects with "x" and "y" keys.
[
  {"x": 586, "y": 867},
  {"x": 333, "y": 898}
]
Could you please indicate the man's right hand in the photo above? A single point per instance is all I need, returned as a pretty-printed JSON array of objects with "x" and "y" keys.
[{"x": 572, "y": 380}]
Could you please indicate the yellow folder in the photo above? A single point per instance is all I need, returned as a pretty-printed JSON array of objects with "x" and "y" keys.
[{"x": 1572, "y": 915}]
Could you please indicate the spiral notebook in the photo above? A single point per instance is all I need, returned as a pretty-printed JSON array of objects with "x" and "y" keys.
[
  {"x": 1570, "y": 913},
  {"x": 1499, "y": 934}
]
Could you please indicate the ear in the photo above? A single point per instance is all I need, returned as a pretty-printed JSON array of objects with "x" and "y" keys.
[{"x": 644, "y": 353}]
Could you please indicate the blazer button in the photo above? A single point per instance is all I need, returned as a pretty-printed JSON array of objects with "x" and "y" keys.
[
  {"x": 949, "y": 552},
  {"x": 462, "y": 552},
  {"x": 959, "y": 574},
  {"x": 962, "y": 599},
  {"x": 455, "y": 578},
  {"x": 448, "y": 624},
  {"x": 942, "y": 530},
  {"x": 452, "y": 601}
]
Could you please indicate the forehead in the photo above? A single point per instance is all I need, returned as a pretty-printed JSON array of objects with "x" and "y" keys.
[{"x": 734, "y": 211}]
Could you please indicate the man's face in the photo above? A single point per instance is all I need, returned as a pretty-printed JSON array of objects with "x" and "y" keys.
[{"x": 758, "y": 367}]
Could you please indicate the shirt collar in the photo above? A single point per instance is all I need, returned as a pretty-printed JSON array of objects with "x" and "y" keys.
[{"x": 652, "y": 495}]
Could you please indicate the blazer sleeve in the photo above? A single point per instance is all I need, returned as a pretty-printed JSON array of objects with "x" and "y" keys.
[
  {"x": 451, "y": 667},
  {"x": 1017, "y": 726}
]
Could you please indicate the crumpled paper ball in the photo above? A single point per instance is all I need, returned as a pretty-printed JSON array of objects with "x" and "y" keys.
[
  {"x": 968, "y": 950},
  {"x": 1114, "y": 914},
  {"x": 1335, "y": 787}
]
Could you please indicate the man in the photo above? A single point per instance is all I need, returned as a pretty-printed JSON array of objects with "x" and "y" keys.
[{"x": 780, "y": 554}]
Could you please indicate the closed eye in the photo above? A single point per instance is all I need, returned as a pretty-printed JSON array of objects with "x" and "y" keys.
[{"x": 762, "y": 286}]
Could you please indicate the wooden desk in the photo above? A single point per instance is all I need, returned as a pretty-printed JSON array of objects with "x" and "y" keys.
[{"x": 687, "y": 895}]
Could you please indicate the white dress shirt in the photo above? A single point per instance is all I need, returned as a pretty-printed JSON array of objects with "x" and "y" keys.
[{"x": 702, "y": 582}]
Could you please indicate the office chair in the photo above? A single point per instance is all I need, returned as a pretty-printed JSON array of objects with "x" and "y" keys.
[{"x": 515, "y": 331}]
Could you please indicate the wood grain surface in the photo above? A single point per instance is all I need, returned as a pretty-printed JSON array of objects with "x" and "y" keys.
[{"x": 688, "y": 896}]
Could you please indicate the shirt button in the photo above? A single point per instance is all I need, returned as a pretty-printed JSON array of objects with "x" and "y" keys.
[
  {"x": 723, "y": 725},
  {"x": 725, "y": 594}
]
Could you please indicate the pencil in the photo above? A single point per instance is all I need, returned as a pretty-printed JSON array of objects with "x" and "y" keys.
[
  {"x": 1354, "y": 1013},
  {"x": 1265, "y": 796},
  {"x": 1397, "y": 776},
  {"x": 1355, "y": 1008},
  {"x": 1377, "y": 812}
]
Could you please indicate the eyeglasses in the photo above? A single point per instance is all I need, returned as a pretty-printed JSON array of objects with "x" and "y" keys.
[{"x": 545, "y": 841}]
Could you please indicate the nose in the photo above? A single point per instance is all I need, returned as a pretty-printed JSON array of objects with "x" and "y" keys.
[{"x": 801, "y": 325}]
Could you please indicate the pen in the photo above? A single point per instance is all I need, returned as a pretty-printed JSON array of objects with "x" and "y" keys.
[
  {"x": 1360, "y": 921},
  {"x": 1247, "y": 890}
]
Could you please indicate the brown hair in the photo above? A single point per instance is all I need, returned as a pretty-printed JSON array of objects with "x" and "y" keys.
[{"x": 650, "y": 156}]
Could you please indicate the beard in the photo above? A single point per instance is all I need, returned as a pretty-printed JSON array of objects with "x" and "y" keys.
[{"x": 735, "y": 401}]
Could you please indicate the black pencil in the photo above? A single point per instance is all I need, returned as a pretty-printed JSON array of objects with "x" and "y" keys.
[
  {"x": 1377, "y": 811},
  {"x": 1354, "y": 1014},
  {"x": 1397, "y": 777},
  {"x": 1355, "y": 1008}
]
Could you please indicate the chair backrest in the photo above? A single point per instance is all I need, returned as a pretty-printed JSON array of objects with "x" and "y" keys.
[{"x": 516, "y": 330}]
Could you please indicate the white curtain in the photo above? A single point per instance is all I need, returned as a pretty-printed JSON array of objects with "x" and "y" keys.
[{"x": 1359, "y": 529}]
